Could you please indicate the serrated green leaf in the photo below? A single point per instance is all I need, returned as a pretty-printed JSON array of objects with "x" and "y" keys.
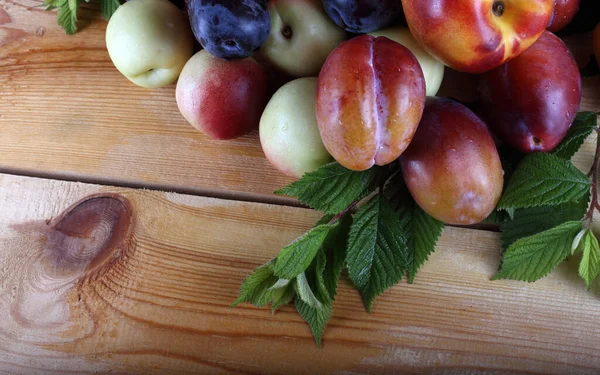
[
  {"x": 316, "y": 318},
  {"x": 332, "y": 188},
  {"x": 420, "y": 230},
  {"x": 496, "y": 217},
  {"x": 297, "y": 256},
  {"x": 256, "y": 288},
  {"x": 589, "y": 268},
  {"x": 67, "y": 15},
  {"x": 109, "y": 7},
  {"x": 330, "y": 269},
  {"x": 582, "y": 127},
  {"x": 531, "y": 258},
  {"x": 284, "y": 298},
  {"x": 52, "y": 4},
  {"x": 377, "y": 250},
  {"x": 305, "y": 292},
  {"x": 544, "y": 180},
  {"x": 529, "y": 221},
  {"x": 281, "y": 283},
  {"x": 426, "y": 233},
  {"x": 321, "y": 287},
  {"x": 335, "y": 248},
  {"x": 326, "y": 219}
]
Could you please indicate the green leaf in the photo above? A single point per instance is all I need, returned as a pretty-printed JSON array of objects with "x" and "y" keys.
[
  {"x": 582, "y": 127},
  {"x": 377, "y": 250},
  {"x": 531, "y": 258},
  {"x": 335, "y": 247},
  {"x": 284, "y": 298},
  {"x": 316, "y": 318},
  {"x": 297, "y": 257},
  {"x": 263, "y": 287},
  {"x": 52, "y": 4},
  {"x": 256, "y": 288},
  {"x": 332, "y": 188},
  {"x": 529, "y": 221},
  {"x": 426, "y": 233},
  {"x": 67, "y": 15},
  {"x": 109, "y": 7},
  {"x": 589, "y": 268},
  {"x": 328, "y": 270},
  {"x": 305, "y": 292},
  {"x": 544, "y": 180},
  {"x": 421, "y": 230},
  {"x": 326, "y": 219}
]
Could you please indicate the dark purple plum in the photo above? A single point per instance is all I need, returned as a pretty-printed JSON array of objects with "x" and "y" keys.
[
  {"x": 230, "y": 29},
  {"x": 363, "y": 16}
]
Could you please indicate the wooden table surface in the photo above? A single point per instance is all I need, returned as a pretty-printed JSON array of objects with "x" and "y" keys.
[{"x": 144, "y": 286}]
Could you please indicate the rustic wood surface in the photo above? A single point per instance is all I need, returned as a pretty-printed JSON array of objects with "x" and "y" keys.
[
  {"x": 66, "y": 112},
  {"x": 101, "y": 279},
  {"x": 98, "y": 279}
]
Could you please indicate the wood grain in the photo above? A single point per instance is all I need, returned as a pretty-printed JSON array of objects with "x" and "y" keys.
[
  {"x": 65, "y": 112},
  {"x": 98, "y": 279}
]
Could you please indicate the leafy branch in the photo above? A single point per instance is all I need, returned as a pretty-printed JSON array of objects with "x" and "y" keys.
[
  {"x": 373, "y": 229},
  {"x": 368, "y": 230},
  {"x": 553, "y": 205}
]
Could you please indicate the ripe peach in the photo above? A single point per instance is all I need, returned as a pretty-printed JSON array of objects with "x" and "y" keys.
[
  {"x": 475, "y": 36},
  {"x": 223, "y": 99},
  {"x": 531, "y": 101},
  {"x": 452, "y": 167},
  {"x": 370, "y": 99}
]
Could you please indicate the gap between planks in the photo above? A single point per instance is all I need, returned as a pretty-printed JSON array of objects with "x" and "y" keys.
[{"x": 198, "y": 192}]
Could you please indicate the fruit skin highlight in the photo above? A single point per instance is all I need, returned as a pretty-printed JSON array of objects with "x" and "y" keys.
[
  {"x": 452, "y": 167},
  {"x": 475, "y": 36},
  {"x": 223, "y": 99},
  {"x": 289, "y": 134},
  {"x": 531, "y": 101},
  {"x": 370, "y": 99}
]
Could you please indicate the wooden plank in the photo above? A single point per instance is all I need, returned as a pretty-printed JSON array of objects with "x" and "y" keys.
[
  {"x": 66, "y": 112},
  {"x": 134, "y": 281}
]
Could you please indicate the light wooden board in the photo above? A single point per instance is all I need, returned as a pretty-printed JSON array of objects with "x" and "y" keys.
[
  {"x": 66, "y": 112},
  {"x": 134, "y": 281}
]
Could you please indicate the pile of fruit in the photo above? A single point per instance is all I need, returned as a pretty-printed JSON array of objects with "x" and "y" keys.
[
  {"x": 344, "y": 99},
  {"x": 368, "y": 105}
]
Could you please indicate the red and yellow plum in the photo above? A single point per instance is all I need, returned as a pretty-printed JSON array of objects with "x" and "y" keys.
[
  {"x": 370, "y": 99},
  {"x": 452, "y": 167}
]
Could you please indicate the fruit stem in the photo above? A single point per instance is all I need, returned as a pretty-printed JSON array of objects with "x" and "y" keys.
[
  {"x": 595, "y": 205},
  {"x": 339, "y": 216}
]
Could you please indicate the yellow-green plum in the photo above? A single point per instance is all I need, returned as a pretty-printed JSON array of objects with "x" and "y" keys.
[
  {"x": 302, "y": 36},
  {"x": 433, "y": 70},
  {"x": 289, "y": 134},
  {"x": 149, "y": 41}
]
